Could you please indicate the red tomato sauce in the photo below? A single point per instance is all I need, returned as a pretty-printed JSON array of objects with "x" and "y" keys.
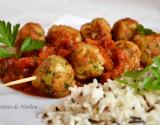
[{"x": 17, "y": 68}]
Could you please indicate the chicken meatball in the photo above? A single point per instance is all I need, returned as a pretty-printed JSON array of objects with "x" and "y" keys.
[
  {"x": 87, "y": 61},
  {"x": 124, "y": 29},
  {"x": 33, "y": 30},
  {"x": 62, "y": 38},
  {"x": 149, "y": 46},
  {"x": 96, "y": 29},
  {"x": 54, "y": 76},
  {"x": 133, "y": 55}
]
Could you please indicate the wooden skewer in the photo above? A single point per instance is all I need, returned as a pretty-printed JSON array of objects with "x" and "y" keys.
[{"x": 20, "y": 81}]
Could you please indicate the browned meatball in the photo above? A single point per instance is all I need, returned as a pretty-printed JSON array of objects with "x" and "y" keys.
[
  {"x": 54, "y": 76},
  {"x": 124, "y": 29},
  {"x": 149, "y": 46},
  {"x": 62, "y": 35},
  {"x": 133, "y": 53},
  {"x": 96, "y": 29},
  {"x": 87, "y": 61},
  {"x": 33, "y": 30}
]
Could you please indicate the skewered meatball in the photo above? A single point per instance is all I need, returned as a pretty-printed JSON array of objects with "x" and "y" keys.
[
  {"x": 87, "y": 61},
  {"x": 33, "y": 30},
  {"x": 96, "y": 29},
  {"x": 62, "y": 38},
  {"x": 54, "y": 76},
  {"x": 149, "y": 46},
  {"x": 133, "y": 53},
  {"x": 124, "y": 29}
]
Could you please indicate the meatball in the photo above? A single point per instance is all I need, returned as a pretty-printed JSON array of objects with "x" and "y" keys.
[
  {"x": 133, "y": 55},
  {"x": 87, "y": 61},
  {"x": 54, "y": 76},
  {"x": 62, "y": 38},
  {"x": 96, "y": 29},
  {"x": 33, "y": 30},
  {"x": 149, "y": 46},
  {"x": 124, "y": 29}
]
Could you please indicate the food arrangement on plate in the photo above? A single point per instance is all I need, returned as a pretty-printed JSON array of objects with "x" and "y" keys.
[{"x": 123, "y": 61}]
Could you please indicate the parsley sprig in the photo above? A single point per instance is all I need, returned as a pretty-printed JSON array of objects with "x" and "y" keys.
[
  {"x": 29, "y": 44},
  {"x": 147, "y": 79},
  {"x": 8, "y": 34},
  {"x": 6, "y": 53},
  {"x": 144, "y": 31}
]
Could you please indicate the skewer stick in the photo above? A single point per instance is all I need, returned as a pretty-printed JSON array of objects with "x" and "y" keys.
[{"x": 19, "y": 81}]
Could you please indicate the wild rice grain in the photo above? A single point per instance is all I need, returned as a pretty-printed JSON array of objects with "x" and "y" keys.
[{"x": 120, "y": 106}]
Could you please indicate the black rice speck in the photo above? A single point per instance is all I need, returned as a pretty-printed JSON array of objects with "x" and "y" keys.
[
  {"x": 49, "y": 121},
  {"x": 57, "y": 109},
  {"x": 94, "y": 121},
  {"x": 44, "y": 115},
  {"x": 73, "y": 101},
  {"x": 150, "y": 109}
]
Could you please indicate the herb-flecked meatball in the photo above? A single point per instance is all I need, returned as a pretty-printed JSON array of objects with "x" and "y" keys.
[
  {"x": 149, "y": 46},
  {"x": 87, "y": 61},
  {"x": 96, "y": 29},
  {"x": 33, "y": 30},
  {"x": 124, "y": 29},
  {"x": 133, "y": 54},
  {"x": 54, "y": 76}
]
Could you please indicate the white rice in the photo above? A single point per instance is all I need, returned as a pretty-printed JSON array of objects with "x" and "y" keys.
[{"x": 108, "y": 104}]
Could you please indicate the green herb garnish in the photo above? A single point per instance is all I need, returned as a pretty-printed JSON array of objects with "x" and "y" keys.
[
  {"x": 29, "y": 44},
  {"x": 147, "y": 79},
  {"x": 144, "y": 31},
  {"x": 4, "y": 53},
  {"x": 8, "y": 33}
]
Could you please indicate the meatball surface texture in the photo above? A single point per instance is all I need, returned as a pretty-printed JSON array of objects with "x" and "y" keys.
[
  {"x": 149, "y": 46},
  {"x": 54, "y": 76},
  {"x": 133, "y": 53},
  {"x": 96, "y": 29},
  {"x": 87, "y": 61},
  {"x": 124, "y": 29}
]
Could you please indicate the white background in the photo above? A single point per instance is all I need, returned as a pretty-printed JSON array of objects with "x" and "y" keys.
[
  {"x": 146, "y": 11},
  {"x": 46, "y": 12}
]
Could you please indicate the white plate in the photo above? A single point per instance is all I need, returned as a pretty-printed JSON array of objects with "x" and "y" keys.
[{"x": 17, "y": 114}]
